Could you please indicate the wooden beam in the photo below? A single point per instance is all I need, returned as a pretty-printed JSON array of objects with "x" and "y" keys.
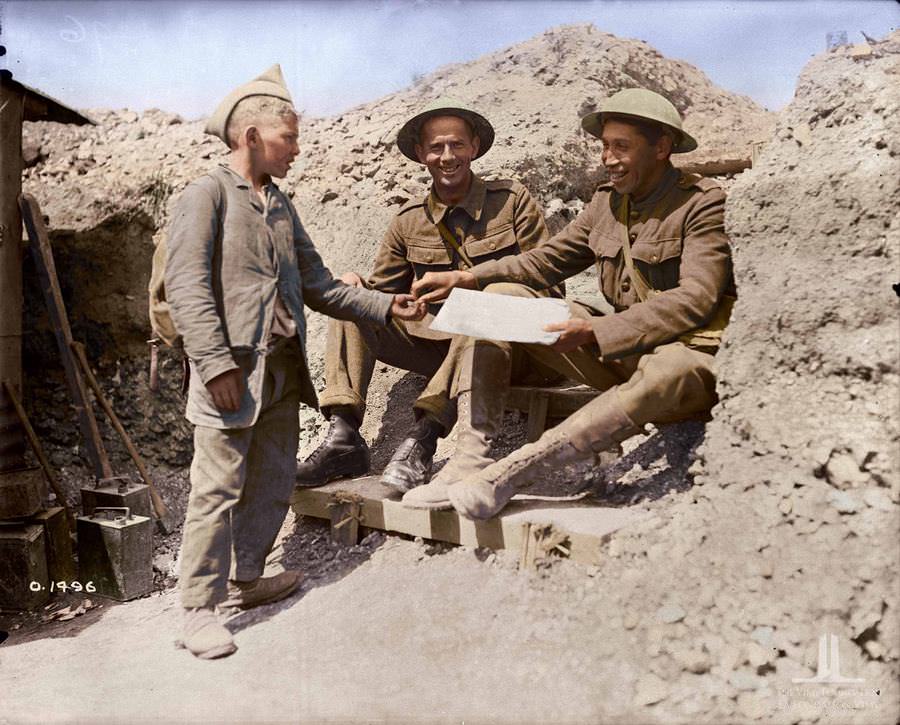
[
  {"x": 12, "y": 437},
  {"x": 46, "y": 268},
  {"x": 584, "y": 528}
]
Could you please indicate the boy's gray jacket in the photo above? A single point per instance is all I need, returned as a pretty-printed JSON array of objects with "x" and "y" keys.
[{"x": 228, "y": 254}]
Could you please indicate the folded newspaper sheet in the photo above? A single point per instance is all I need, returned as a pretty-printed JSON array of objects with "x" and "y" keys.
[{"x": 500, "y": 317}]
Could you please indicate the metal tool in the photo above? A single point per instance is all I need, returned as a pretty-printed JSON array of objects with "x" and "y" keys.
[
  {"x": 118, "y": 491},
  {"x": 115, "y": 552},
  {"x": 164, "y": 519}
]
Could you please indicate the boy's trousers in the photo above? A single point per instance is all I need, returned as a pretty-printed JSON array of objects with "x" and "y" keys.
[{"x": 241, "y": 484}]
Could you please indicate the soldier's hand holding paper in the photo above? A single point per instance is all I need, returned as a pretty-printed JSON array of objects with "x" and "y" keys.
[
  {"x": 573, "y": 333},
  {"x": 501, "y": 317}
]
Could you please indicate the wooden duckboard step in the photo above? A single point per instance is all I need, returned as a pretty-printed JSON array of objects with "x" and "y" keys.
[{"x": 586, "y": 527}]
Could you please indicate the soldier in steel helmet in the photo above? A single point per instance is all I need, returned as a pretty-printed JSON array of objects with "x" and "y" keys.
[
  {"x": 664, "y": 263},
  {"x": 463, "y": 220}
]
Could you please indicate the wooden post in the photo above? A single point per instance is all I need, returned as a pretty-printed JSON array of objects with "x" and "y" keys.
[
  {"x": 12, "y": 438},
  {"x": 46, "y": 267},
  {"x": 537, "y": 414}
]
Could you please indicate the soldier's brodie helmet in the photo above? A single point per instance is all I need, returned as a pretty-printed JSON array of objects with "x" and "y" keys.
[
  {"x": 408, "y": 136},
  {"x": 645, "y": 105}
]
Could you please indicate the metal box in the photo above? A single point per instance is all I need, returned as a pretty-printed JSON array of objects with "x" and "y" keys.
[
  {"x": 118, "y": 492},
  {"x": 115, "y": 552},
  {"x": 60, "y": 562},
  {"x": 24, "y": 582},
  {"x": 22, "y": 492}
]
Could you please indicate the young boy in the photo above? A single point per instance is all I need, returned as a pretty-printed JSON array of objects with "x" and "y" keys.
[{"x": 240, "y": 269}]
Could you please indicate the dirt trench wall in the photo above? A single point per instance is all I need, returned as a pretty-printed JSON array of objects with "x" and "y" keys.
[{"x": 805, "y": 438}]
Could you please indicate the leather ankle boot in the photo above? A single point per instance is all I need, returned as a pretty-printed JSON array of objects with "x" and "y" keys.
[
  {"x": 410, "y": 466},
  {"x": 343, "y": 454}
]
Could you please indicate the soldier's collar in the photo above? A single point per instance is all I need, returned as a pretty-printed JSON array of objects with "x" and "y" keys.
[
  {"x": 241, "y": 183},
  {"x": 472, "y": 204},
  {"x": 665, "y": 185}
]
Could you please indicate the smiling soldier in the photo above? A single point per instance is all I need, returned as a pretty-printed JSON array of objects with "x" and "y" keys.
[
  {"x": 462, "y": 221},
  {"x": 657, "y": 237}
]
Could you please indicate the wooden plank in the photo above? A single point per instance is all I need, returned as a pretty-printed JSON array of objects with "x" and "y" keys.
[
  {"x": 46, "y": 268},
  {"x": 586, "y": 526},
  {"x": 12, "y": 439},
  {"x": 537, "y": 415},
  {"x": 38, "y": 450},
  {"x": 562, "y": 401}
]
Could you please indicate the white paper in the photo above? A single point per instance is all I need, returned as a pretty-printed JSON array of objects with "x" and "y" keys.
[{"x": 500, "y": 317}]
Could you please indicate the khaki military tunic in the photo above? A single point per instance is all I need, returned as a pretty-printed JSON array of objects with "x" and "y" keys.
[
  {"x": 496, "y": 219},
  {"x": 678, "y": 243}
]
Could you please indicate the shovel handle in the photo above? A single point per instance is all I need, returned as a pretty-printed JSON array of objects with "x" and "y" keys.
[{"x": 158, "y": 506}]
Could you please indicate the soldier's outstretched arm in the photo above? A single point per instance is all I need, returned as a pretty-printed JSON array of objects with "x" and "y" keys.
[{"x": 435, "y": 286}]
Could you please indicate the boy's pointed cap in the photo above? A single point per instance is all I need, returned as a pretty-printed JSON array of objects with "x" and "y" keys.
[{"x": 270, "y": 83}]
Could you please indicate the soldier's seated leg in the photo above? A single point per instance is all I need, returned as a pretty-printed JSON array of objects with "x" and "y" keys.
[
  {"x": 342, "y": 454},
  {"x": 670, "y": 383},
  {"x": 410, "y": 466},
  {"x": 350, "y": 355},
  {"x": 579, "y": 439}
]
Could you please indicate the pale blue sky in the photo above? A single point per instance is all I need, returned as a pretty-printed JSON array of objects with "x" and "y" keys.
[{"x": 185, "y": 56}]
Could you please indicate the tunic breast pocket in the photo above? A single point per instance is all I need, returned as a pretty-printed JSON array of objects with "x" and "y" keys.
[
  {"x": 659, "y": 260},
  {"x": 609, "y": 263},
  {"x": 428, "y": 259},
  {"x": 492, "y": 244}
]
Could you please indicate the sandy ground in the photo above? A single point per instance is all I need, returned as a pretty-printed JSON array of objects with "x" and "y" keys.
[{"x": 393, "y": 629}]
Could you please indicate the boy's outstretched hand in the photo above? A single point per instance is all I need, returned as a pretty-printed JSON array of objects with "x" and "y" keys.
[
  {"x": 407, "y": 309},
  {"x": 353, "y": 279},
  {"x": 227, "y": 390},
  {"x": 435, "y": 286}
]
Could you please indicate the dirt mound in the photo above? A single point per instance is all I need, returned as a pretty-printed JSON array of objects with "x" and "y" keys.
[
  {"x": 107, "y": 189},
  {"x": 349, "y": 179},
  {"x": 713, "y": 607},
  {"x": 790, "y": 531}
]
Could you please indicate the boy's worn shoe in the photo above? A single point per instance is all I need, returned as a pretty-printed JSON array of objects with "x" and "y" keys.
[
  {"x": 262, "y": 590},
  {"x": 343, "y": 454},
  {"x": 410, "y": 466},
  {"x": 205, "y": 636}
]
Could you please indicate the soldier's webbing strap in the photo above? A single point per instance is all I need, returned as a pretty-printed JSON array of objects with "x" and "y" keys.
[
  {"x": 453, "y": 244},
  {"x": 641, "y": 285},
  {"x": 704, "y": 337}
]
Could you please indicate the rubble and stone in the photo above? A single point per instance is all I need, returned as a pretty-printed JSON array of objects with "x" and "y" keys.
[{"x": 780, "y": 527}]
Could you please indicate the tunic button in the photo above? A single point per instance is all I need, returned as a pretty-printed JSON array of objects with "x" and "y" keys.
[
  {"x": 654, "y": 258},
  {"x": 428, "y": 257},
  {"x": 626, "y": 285},
  {"x": 492, "y": 245},
  {"x": 632, "y": 236},
  {"x": 634, "y": 214}
]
